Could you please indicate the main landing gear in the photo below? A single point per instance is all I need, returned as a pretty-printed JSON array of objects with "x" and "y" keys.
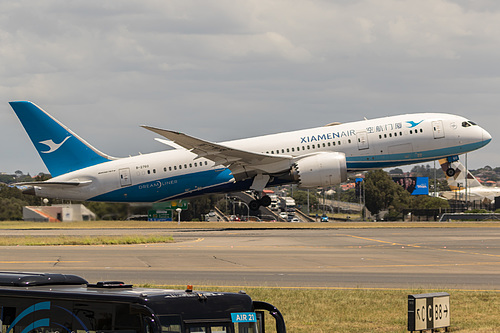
[
  {"x": 257, "y": 203},
  {"x": 259, "y": 183}
]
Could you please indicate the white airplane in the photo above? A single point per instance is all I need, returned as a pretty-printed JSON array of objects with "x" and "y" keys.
[
  {"x": 463, "y": 180},
  {"x": 316, "y": 157}
]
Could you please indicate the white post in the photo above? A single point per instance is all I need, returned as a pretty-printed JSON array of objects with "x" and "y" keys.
[{"x": 178, "y": 210}]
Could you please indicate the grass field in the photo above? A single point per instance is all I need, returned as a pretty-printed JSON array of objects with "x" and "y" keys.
[
  {"x": 21, "y": 225},
  {"x": 368, "y": 310},
  {"x": 83, "y": 240}
]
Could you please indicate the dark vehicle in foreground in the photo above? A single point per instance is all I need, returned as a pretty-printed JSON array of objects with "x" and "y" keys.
[{"x": 50, "y": 303}]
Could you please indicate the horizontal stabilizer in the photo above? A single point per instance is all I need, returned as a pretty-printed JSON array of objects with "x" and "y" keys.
[{"x": 56, "y": 184}]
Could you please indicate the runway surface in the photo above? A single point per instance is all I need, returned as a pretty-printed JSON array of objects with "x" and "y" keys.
[{"x": 455, "y": 258}]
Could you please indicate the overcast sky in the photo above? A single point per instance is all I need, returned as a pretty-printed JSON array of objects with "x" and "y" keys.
[{"x": 229, "y": 69}]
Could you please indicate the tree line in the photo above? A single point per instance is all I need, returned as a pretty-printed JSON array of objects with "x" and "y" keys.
[{"x": 381, "y": 194}]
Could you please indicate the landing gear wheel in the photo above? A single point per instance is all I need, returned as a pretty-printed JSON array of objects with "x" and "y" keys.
[
  {"x": 254, "y": 205},
  {"x": 265, "y": 201},
  {"x": 450, "y": 172}
]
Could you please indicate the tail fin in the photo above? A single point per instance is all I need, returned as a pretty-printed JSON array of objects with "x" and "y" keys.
[
  {"x": 457, "y": 181},
  {"x": 60, "y": 148}
]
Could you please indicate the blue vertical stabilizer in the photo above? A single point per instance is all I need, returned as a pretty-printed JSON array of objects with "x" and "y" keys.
[{"x": 61, "y": 149}]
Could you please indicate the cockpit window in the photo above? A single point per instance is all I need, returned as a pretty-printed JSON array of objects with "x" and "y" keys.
[{"x": 468, "y": 123}]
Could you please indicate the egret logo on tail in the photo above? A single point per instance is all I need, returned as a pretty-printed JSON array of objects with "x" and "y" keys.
[{"x": 52, "y": 145}]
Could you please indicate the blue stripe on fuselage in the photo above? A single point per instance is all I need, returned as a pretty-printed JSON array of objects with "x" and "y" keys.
[
  {"x": 390, "y": 160},
  {"x": 167, "y": 188}
]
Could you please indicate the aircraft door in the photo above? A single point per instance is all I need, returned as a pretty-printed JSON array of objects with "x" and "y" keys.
[
  {"x": 125, "y": 179},
  {"x": 362, "y": 138},
  {"x": 437, "y": 127}
]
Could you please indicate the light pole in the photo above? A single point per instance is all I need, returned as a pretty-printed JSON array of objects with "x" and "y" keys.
[
  {"x": 248, "y": 209},
  {"x": 178, "y": 210}
]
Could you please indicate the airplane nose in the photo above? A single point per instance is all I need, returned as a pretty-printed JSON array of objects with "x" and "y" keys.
[{"x": 486, "y": 136}]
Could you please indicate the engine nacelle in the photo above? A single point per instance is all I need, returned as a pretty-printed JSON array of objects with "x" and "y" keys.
[{"x": 321, "y": 170}]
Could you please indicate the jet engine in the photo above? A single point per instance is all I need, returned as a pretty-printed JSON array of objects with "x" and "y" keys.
[{"x": 322, "y": 169}]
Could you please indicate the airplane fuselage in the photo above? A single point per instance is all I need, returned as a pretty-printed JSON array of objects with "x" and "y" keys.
[{"x": 368, "y": 144}]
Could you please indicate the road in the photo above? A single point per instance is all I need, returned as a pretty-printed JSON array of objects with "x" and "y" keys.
[{"x": 457, "y": 258}]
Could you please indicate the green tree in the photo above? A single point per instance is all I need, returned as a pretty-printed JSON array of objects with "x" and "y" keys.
[
  {"x": 427, "y": 171},
  {"x": 381, "y": 193},
  {"x": 300, "y": 198},
  {"x": 11, "y": 209},
  {"x": 7, "y": 179},
  {"x": 12, "y": 201},
  {"x": 427, "y": 202},
  {"x": 200, "y": 206},
  {"x": 109, "y": 211},
  {"x": 349, "y": 196},
  {"x": 396, "y": 171}
]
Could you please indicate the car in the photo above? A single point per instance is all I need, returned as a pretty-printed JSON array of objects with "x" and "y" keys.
[
  {"x": 294, "y": 220},
  {"x": 324, "y": 218},
  {"x": 284, "y": 215}
]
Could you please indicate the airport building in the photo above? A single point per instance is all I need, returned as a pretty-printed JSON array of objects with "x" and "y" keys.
[{"x": 58, "y": 213}]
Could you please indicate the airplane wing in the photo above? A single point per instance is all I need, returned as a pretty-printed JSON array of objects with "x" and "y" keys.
[
  {"x": 238, "y": 161},
  {"x": 169, "y": 143}
]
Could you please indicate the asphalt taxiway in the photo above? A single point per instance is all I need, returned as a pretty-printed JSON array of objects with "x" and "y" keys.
[{"x": 454, "y": 258}]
